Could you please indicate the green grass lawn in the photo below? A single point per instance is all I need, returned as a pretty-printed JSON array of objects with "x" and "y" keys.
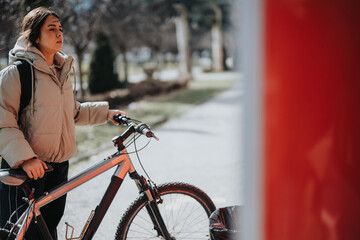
[{"x": 153, "y": 111}]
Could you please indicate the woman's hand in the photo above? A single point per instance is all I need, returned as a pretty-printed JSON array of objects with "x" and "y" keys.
[
  {"x": 112, "y": 113},
  {"x": 34, "y": 168}
]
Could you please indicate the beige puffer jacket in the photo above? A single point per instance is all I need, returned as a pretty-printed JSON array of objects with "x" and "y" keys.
[{"x": 47, "y": 125}]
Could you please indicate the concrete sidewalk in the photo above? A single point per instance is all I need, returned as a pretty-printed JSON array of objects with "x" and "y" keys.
[{"x": 202, "y": 147}]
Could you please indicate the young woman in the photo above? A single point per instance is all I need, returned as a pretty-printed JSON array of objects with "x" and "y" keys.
[{"x": 45, "y": 132}]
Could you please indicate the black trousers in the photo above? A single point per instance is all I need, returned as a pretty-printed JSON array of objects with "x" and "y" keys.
[{"x": 11, "y": 199}]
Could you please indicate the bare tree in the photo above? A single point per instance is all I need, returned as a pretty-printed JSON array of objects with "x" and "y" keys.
[
  {"x": 153, "y": 26},
  {"x": 8, "y": 25},
  {"x": 119, "y": 18},
  {"x": 183, "y": 38},
  {"x": 217, "y": 39},
  {"x": 12, "y": 13},
  {"x": 212, "y": 16},
  {"x": 136, "y": 23},
  {"x": 79, "y": 22}
]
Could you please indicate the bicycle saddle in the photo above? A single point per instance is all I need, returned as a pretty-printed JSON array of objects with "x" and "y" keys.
[{"x": 16, "y": 177}]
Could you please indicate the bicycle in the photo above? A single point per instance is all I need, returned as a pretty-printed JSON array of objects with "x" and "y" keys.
[{"x": 168, "y": 211}]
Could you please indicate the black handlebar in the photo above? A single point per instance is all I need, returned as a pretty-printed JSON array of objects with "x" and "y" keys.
[
  {"x": 141, "y": 128},
  {"x": 122, "y": 119}
]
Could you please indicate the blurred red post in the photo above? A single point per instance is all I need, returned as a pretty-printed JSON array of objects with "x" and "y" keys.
[{"x": 311, "y": 119}]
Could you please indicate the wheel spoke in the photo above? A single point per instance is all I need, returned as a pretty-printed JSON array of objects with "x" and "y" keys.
[{"x": 184, "y": 216}]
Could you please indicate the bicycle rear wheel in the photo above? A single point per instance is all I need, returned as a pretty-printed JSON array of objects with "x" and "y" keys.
[{"x": 185, "y": 211}]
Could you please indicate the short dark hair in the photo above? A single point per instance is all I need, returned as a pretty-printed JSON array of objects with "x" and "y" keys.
[{"x": 33, "y": 21}]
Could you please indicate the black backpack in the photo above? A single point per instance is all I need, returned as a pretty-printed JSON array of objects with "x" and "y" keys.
[{"x": 25, "y": 71}]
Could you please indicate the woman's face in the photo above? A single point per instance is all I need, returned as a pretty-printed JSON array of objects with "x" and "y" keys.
[{"x": 51, "y": 37}]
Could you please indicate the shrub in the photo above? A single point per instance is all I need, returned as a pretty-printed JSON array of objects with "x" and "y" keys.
[{"x": 101, "y": 74}]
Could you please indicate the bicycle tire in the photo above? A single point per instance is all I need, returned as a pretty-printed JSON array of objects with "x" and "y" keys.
[{"x": 182, "y": 201}]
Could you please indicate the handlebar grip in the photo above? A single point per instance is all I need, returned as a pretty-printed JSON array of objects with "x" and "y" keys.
[
  {"x": 121, "y": 119},
  {"x": 144, "y": 129}
]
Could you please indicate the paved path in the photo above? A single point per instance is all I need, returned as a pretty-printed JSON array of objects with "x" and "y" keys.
[{"x": 202, "y": 147}]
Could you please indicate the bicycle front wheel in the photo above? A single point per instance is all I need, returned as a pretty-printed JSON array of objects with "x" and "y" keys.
[{"x": 185, "y": 210}]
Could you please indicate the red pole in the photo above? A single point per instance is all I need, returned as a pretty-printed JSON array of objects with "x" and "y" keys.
[{"x": 311, "y": 119}]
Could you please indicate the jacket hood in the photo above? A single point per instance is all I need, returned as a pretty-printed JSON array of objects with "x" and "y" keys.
[{"x": 24, "y": 50}]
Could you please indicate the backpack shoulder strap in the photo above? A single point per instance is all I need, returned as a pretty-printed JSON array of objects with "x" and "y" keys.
[{"x": 25, "y": 71}]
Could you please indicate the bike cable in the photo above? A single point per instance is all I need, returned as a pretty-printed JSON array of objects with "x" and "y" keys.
[
  {"x": 138, "y": 157},
  {"x": 15, "y": 212},
  {"x": 135, "y": 146},
  {"x": 16, "y": 204}
]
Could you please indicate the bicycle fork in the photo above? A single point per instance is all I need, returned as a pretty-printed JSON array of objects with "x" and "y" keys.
[{"x": 152, "y": 206}]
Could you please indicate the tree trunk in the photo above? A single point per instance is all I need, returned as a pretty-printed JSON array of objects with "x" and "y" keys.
[
  {"x": 79, "y": 60},
  {"x": 182, "y": 38},
  {"x": 226, "y": 67},
  {"x": 8, "y": 45},
  {"x": 157, "y": 60},
  {"x": 7, "y": 50},
  {"x": 216, "y": 48},
  {"x": 217, "y": 41},
  {"x": 126, "y": 67}
]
